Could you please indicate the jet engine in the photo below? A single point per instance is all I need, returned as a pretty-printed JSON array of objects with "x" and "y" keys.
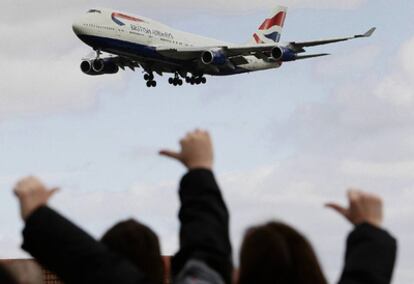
[
  {"x": 214, "y": 57},
  {"x": 280, "y": 53},
  {"x": 99, "y": 67}
]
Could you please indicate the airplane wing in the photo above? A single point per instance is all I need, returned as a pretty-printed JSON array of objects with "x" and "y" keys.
[
  {"x": 299, "y": 46},
  {"x": 231, "y": 50},
  {"x": 234, "y": 55},
  {"x": 259, "y": 50}
]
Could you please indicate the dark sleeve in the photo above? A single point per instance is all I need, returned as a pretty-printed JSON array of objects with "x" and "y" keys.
[
  {"x": 204, "y": 232},
  {"x": 72, "y": 254},
  {"x": 370, "y": 256}
]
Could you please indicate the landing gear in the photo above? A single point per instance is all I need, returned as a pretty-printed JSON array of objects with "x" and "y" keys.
[
  {"x": 149, "y": 77},
  {"x": 151, "y": 84},
  {"x": 176, "y": 81},
  {"x": 196, "y": 80}
]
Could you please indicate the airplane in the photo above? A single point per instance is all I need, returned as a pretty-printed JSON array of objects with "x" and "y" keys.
[{"x": 139, "y": 42}]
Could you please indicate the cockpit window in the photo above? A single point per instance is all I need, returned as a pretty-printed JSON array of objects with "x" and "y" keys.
[{"x": 94, "y": 11}]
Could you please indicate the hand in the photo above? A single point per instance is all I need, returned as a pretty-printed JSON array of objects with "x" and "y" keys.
[
  {"x": 32, "y": 194},
  {"x": 196, "y": 151},
  {"x": 363, "y": 207}
]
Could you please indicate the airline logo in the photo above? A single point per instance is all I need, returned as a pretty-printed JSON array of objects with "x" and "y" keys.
[
  {"x": 271, "y": 28},
  {"x": 117, "y": 16},
  {"x": 274, "y": 36},
  {"x": 277, "y": 20}
]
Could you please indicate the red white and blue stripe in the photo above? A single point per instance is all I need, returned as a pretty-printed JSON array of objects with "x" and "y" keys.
[{"x": 117, "y": 16}]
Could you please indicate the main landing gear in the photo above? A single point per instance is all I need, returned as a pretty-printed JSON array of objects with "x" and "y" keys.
[
  {"x": 193, "y": 80},
  {"x": 196, "y": 80},
  {"x": 176, "y": 81},
  {"x": 149, "y": 77}
]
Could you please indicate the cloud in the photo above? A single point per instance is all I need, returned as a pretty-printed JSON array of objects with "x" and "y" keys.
[
  {"x": 50, "y": 8},
  {"x": 96, "y": 211},
  {"x": 398, "y": 88},
  {"x": 42, "y": 73},
  {"x": 341, "y": 66},
  {"x": 365, "y": 118},
  {"x": 378, "y": 170}
]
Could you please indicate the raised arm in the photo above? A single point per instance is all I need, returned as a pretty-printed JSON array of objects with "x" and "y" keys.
[
  {"x": 64, "y": 248},
  {"x": 371, "y": 251},
  {"x": 204, "y": 232}
]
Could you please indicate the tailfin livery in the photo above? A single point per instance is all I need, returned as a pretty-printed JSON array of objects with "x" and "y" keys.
[{"x": 271, "y": 29}]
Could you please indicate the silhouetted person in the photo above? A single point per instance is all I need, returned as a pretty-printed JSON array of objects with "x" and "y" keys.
[
  {"x": 205, "y": 254},
  {"x": 65, "y": 249},
  {"x": 140, "y": 245},
  {"x": 371, "y": 251}
]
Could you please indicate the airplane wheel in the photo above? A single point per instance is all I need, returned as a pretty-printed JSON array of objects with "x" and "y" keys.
[
  {"x": 198, "y": 81},
  {"x": 146, "y": 77},
  {"x": 180, "y": 82},
  {"x": 170, "y": 81},
  {"x": 149, "y": 84},
  {"x": 151, "y": 77},
  {"x": 203, "y": 80},
  {"x": 187, "y": 79},
  {"x": 153, "y": 83}
]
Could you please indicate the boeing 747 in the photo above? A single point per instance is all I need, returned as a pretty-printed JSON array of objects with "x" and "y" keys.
[{"x": 139, "y": 42}]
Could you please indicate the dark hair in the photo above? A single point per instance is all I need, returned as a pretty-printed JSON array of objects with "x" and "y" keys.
[
  {"x": 140, "y": 245},
  {"x": 277, "y": 253},
  {"x": 6, "y": 277}
]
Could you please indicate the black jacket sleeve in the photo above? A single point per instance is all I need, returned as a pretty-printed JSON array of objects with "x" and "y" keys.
[
  {"x": 72, "y": 254},
  {"x": 370, "y": 256},
  {"x": 204, "y": 232}
]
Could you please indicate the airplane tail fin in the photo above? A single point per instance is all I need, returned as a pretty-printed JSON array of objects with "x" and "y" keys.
[{"x": 271, "y": 29}]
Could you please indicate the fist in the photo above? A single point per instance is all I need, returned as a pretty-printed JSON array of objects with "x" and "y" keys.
[
  {"x": 363, "y": 208},
  {"x": 196, "y": 151},
  {"x": 31, "y": 194}
]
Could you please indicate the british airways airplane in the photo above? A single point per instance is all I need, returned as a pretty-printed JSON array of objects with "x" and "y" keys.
[{"x": 135, "y": 41}]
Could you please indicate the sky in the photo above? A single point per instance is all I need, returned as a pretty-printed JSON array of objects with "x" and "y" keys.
[{"x": 286, "y": 141}]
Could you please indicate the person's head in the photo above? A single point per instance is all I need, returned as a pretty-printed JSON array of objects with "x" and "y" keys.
[
  {"x": 139, "y": 244},
  {"x": 277, "y": 253}
]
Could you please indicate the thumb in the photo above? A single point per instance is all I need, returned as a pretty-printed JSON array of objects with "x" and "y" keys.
[
  {"x": 338, "y": 208},
  {"x": 52, "y": 192},
  {"x": 171, "y": 154}
]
